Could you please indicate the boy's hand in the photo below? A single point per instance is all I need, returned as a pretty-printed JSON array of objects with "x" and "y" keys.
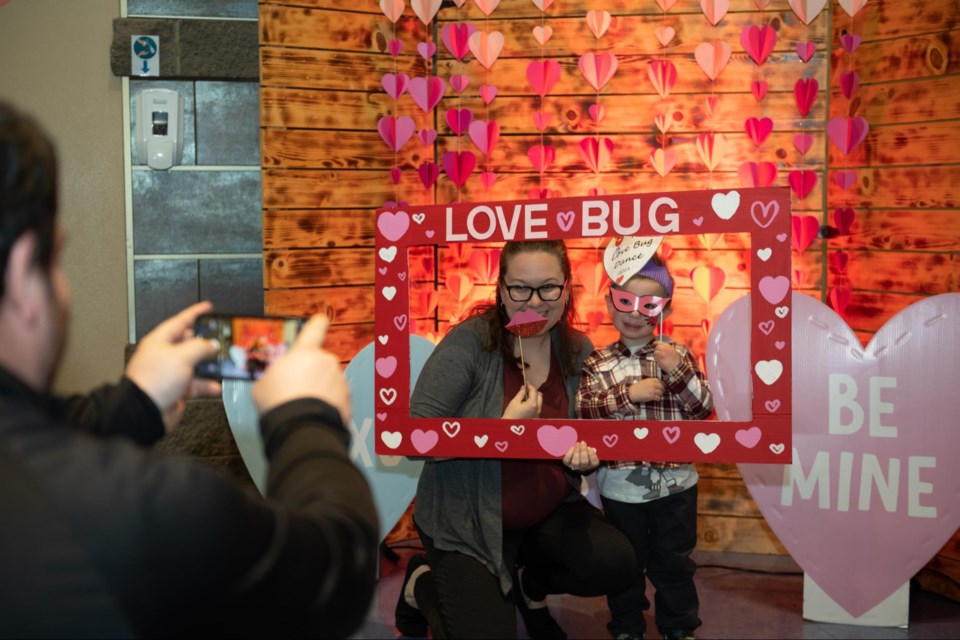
[
  {"x": 520, "y": 409},
  {"x": 666, "y": 356},
  {"x": 647, "y": 390}
]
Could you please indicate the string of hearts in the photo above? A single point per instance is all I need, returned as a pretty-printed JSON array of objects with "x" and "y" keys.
[
  {"x": 662, "y": 74},
  {"x": 597, "y": 68},
  {"x": 542, "y": 76}
]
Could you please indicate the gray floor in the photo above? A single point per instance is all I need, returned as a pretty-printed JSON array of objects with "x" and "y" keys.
[{"x": 741, "y": 596}]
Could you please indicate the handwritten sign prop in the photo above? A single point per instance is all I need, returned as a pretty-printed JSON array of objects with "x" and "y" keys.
[
  {"x": 873, "y": 490},
  {"x": 764, "y": 213}
]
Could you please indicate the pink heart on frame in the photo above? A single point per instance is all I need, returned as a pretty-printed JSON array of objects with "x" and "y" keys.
[
  {"x": 394, "y": 84},
  {"x": 543, "y": 75},
  {"x": 597, "y": 69},
  {"x": 712, "y": 57},
  {"x": 556, "y": 440},
  {"x": 456, "y": 38},
  {"x": 671, "y": 434},
  {"x": 459, "y": 82},
  {"x": 849, "y": 83},
  {"x": 487, "y": 93},
  {"x": 802, "y": 182},
  {"x": 759, "y": 89},
  {"x": 748, "y": 437},
  {"x": 864, "y": 460},
  {"x": 458, "y": 165},
  {"x": 427, "y": 92},
  {"x": 395, "y": 130},
  {"x": 484, "y": 134},
  {"x": 774, "y": 288},
  {"x": 804, "y": 93},
  {"x": 850, "y": 42},
  {"x": 393, "y": 226},
  {"x": 805, "y": 50},
  {"x": 845, "y": 179},
  {"x": 426, "y": 50},
  {"x": 459, "y": 120},
  {"x": 758, "y": 42},
  {"x": 802, "y": 142},
  {"x": 805, "y": 231},
  {"x": 847, "y": 133},
  {"x": 424, "y": 441}
]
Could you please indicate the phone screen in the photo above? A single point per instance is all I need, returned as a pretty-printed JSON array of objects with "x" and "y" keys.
[{"x": 248, "y": 344}]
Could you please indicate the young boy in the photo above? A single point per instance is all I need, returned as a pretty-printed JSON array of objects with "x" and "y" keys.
[{"x": 654, "y": 503}]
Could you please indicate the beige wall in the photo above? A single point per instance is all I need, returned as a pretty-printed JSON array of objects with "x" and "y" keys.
[{"x": 55, "y": 64}]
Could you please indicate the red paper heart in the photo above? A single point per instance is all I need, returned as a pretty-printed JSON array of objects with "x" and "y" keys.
[
  {"x": 395, "y": 173},
  {"x": 596, "y": 152},
  {"x": 758, "y": 42},
  {"x": 805, "y": 92},
  {"x": 843, "y": 219},
  {"x": 456, "y": 38},
  {"x": 838, "y": 262},
  {"x": 459, "y": 120},
  {"x": 840, "y": 299},
  {"x": 459, "y": 82},
  {"x": 805, "y": 231},
  {"x": 429, "y": 172},
  {"x": 487, "y": 178},
  {"x": 845, "y": 179},
  {"x": 427, "y": 136},
  {"x": 758, "y": 129},
  {"x": 847, "y": 133},
  {"x": 541, "y": 157},
  {"x": 757, "y": 174},
  {"x": 850, "y": 42},
  {"x": 541, "y": 120},
  {"x": 487, "y": 93},
  {"x": 802, "y": 182},
  {"x": 849, "y": 83},
  {"x": 712, "y": 102},
  {"x": 458, "y": 165},
  {"x": 395, "y": 47},
  {"x": 806, "y": 50},
  {"x": 597, "y": 112},
  {"x": 802, "y": 142},
  {"x": 759, "y": 89},
  {"x": 543, "y": 75}
]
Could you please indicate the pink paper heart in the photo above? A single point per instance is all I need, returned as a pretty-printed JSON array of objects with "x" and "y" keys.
[
  {"x": 425, "y": 9},
  {"x": 714, "y": 10},
  {"x": 486, "y": 47},
  {"x": 759, "y": 89},
  {"x": 427, "y": 92},
  {"x": 664, "y": 35},
  {"x": 847, "y": 133},
  {"x": 543, "y": 75},
  {"x": 805, "y": 231},
  {"x": 541, "y": 157},
  {"x": 429, "y": 172},
  {"x": 758, "y": 129},
  {"x": 426, "y": 50},
  {"x": 487, "y": 93},
  {"x": 852, "y": 6},
  {"x": 802, "y": 182},
  {"x": 663, "y": 76},
  {"x": 843, "y": 219},
  {"x": 542, "y": 34},
  {"x": 459, "y": 82},
  {"x": 708, "y": 281},
  {"x": 459, "y": 120},
  {"x": 427, "y": 136},
  {"x": 484, "y": 134},
  {"x": 663, "y": 161},
  {"x": 395, "y": 174},
  {"x": 838, "y": 262},
  {"x": 802, "y": 142},
  {"x": 757, "y": 174},
  {"x": 804, "y": 93},
  {"x": 662, "y": 123},
  {"x": 845, "y": 179},
  {"x": 394, "y": 84},
  {"x": 541, "y": 120},
  {"x": 850, "y": 42},
  {"x": 666, "y": 5},
  {"x": 839, "y": 298},
  {"x": 456, "y": 38},
  {"x": 805, "y": 50},
  {"x": 598, "y": 22},
  {"x": 424, "y": 441},
  {"x": 830, "y": 535},
  {"x": 458, "y": 165},
  {"x": 712, "y": 57},
  {"x": 488, "y": 178},
  {"x": 807, "y": 10},
  {"x": 596, "y": 152},
  {"x": 711, "y": 103},
  {"x": 597, "y": 69},
  {"x": 487, "y": 6},
  {"x": 395, "y": 47},
  {"x": 849, "y": 83},
  {"x": 395, "y": 130},
  {"x": 393, "y": 9},
  {"x": 758, "y": 42},
  {"x": 597, "y": 112}
]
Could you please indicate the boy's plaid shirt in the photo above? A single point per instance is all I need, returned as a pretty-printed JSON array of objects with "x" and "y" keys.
[{"x": 606, "y": 378}]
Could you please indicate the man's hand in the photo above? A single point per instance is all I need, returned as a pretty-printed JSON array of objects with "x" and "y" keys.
[
  {"x": 162, "y": 364},
  {"x": 305, "y": 371}
]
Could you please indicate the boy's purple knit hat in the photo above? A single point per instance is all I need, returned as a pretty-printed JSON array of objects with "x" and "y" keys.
[{"x": 658, "y": 273}]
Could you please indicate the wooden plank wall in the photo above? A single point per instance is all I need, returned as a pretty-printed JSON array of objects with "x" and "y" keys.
[{"x": 325, "y": 168}]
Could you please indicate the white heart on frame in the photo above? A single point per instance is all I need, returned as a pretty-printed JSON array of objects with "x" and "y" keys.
[
  {"x": 707, "y": 442},
  {"x": 387, "y": 254},
  {"x": 725, "y": 204},
  {"x": 626, "y": 255}
]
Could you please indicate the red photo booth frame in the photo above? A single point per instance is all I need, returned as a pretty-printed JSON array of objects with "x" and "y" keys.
[{"x": 764, "y": 213}]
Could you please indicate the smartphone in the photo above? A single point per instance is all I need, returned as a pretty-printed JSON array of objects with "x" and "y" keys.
[{"x": 247, "y": 344}]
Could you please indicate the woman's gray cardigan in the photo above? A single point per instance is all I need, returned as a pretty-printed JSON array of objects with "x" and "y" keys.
[{"x": 459, "y": 500}]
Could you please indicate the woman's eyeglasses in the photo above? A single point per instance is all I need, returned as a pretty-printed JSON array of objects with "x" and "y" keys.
[
  {"x": 546, "y": 292},
  {"x": 628, "y": 303}
]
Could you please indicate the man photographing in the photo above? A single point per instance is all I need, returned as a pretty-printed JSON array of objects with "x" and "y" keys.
[{"x": 100, "y": 537}]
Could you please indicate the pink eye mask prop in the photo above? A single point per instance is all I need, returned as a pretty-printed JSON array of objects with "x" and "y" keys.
[{"x": 626, "y": 302}]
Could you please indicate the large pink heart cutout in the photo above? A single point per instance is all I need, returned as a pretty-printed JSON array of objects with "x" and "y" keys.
[{"x": 861, "y": 510}]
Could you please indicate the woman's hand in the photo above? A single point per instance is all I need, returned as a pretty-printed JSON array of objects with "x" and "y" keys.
[
  {"x": 522, "y": 409},
  {"x": 581, "y": 458}
]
